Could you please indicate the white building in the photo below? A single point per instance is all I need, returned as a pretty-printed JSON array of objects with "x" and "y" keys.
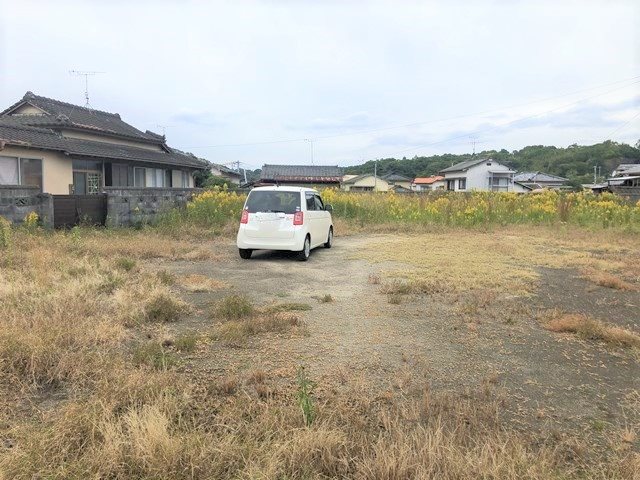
[
  {"x": 425, "y": 184},
  {"x": 479, "y": 174}
]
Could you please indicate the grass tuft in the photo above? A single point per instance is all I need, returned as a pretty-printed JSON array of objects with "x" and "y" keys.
[
  {"x": 287, "y": 307},
  {"x": 164, "y": 308},
  {"x": 233, "y": 307},
  {"x": 609, "y": 280},
  {"x": 186, "y": 342},
  {"x": 593, "y": 330},
  {"x": 154, "y": 355},
  {"x": 238, "y": 331},
  {"x": 125, "y": 263}
]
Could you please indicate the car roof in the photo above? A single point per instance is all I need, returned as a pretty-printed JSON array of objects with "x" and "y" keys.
[{"x": 284, "y": 189}]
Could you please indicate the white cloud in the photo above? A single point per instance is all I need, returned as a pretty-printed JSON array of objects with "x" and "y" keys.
[{"x": 223, "y": 73}]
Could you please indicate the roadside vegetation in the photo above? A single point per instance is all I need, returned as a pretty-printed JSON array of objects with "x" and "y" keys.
[{"x": 220, "y": 208}]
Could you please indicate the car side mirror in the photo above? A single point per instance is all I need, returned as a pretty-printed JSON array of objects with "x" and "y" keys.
[{"x": 328, "y": 207}]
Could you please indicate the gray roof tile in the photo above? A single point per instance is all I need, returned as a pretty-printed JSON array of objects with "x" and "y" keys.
[
  {"x": 537, "y": 177},
  {"x": 462, "y": 166},
  {"x": 61, "y": 114},
  {"x": 290, "y": 172},
  {"x": 13, "y": 133}
]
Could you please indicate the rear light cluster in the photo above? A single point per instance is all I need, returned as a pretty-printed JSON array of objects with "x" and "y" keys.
[
  {"x": 245, "y": 216},
  {"x": 298, "y": 218}
]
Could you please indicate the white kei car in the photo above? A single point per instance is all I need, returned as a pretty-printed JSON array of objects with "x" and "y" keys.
[{"x": 284, "y": 218}]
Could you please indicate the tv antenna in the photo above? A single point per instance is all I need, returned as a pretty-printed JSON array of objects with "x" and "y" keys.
[
  {"x": 164, "y": 129},
  {"x": 86, "y": 75}
]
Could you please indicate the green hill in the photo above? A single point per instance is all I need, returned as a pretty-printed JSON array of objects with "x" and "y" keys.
[{"x": 575, "y": 162}]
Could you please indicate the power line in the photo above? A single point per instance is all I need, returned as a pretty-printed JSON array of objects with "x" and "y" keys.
[
  {"x": 623, "y": 125},
  {"x": 511, "y": 122},
  {"x": 633, "y": 81}
]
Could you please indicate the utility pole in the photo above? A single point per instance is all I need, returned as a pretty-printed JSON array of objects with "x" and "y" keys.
[
  {"x": 311, "y": 144},
  {"x": 595, "y": 178},
  {"x": 375, "y": 176},
  {"x": 86, "y": 83}
]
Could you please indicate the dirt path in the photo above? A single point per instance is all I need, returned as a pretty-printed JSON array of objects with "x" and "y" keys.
[{"x": 549, "y": 379}]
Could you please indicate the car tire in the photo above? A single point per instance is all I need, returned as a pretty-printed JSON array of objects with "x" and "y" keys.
[
  {"x": 329, "y": 241},
  {"x": 303, "y": 255},
  {"x": 245, "y": 253}
]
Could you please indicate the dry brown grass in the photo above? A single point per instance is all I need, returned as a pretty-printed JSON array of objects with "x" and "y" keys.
[
  {"x": 234, "y": 332},
  {"x": 593, "y": 330},
  {"x": 609, "y": 280},
  {"x": 504, "y": 259},
  {"x": 229, "y": 431},
  {"x": 75, "y": 402},
  {"x": 195, "y": 283}
]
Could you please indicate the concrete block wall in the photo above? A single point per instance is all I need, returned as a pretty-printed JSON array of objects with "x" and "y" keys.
[
  {"x": 17, "y": 201},
  {"x": 128, "y": 206}
]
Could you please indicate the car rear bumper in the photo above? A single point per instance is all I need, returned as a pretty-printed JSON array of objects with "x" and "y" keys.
[{"x": 293, "y": 244}]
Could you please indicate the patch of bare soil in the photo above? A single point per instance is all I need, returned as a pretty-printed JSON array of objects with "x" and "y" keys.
[{"x": 457, "y": 340}]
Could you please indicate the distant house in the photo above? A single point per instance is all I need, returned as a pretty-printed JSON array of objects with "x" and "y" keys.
[
  {"x": 395, "y": 180},
  {"x": 227, "y": 173},
  {"x": 423, "y": 184},
  {"x": 301, "y": 175},
  {"x": 63, "y": 148},
  {"x": 625, "y": 181},
  {"x": 540, "y": 180},
  {"x": 478, "y": 174},
  {"x": 366, "y": 182}
]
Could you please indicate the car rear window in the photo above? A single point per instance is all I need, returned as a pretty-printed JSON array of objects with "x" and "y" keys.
[{"x": 271, "y": 201}]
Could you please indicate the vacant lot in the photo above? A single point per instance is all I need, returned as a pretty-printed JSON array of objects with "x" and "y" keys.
[{"x": 438, "y": 354}]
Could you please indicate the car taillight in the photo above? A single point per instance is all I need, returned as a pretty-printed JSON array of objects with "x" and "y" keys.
[
  {"x": 245, "y": 216},
  {"x": 298, "y": 218}
]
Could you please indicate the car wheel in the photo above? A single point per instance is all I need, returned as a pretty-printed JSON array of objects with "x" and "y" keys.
[
  {"x": 329, "y": 238},
  {"x": 303, "y": 255},
  {"x": 245, "y": 253}
]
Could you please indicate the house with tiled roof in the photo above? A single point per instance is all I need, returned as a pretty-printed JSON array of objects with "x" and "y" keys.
[
  {"x": 396, "y": 180},
  {"x": 424, "y": 184},
  {"x": 366, "y": 182},
  {"x": 68, "y": 149},
  {"x": 479, "y": 174},
  {"x": 536, "y": 180},
  {"x": 301, "y": 175}
]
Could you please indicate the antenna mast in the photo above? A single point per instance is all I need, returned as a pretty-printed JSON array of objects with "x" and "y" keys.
[{"x": 86, "y": 75}]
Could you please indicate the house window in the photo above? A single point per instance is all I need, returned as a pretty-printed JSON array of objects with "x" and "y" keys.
[
  {"x": 499, "y": 184},
  {"x": 139, "y": 177},
  {"x": 185, "y": 179},
  {"x": 21, "y": 171},
  {"x": 462, "y": 184},
  {"x": 451, "y": 184},
  {"x": 155, "y": 177},
  {"x": 119, "y": 175}
]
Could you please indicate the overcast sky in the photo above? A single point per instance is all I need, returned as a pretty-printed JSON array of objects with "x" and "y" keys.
[{"x": 359, "y": 79}]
